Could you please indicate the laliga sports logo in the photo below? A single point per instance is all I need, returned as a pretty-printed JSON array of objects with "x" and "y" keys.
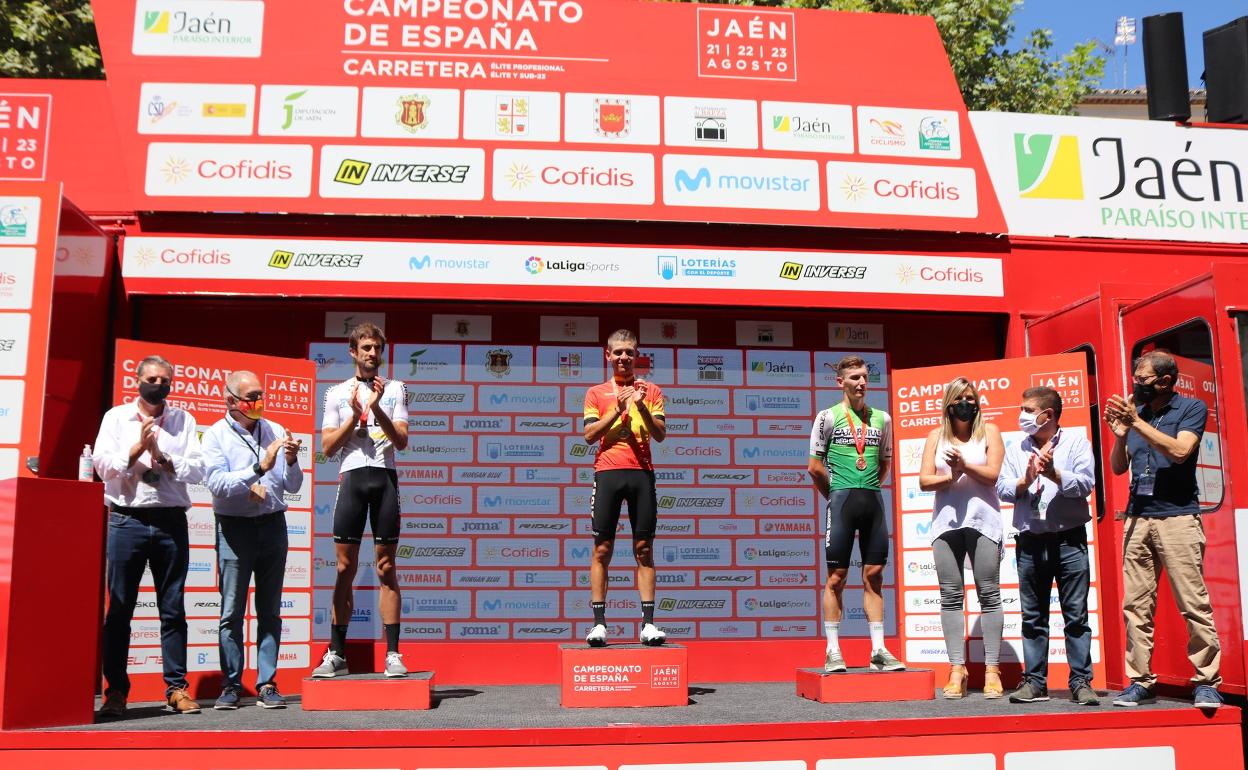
[
  {"x": 533, "y": 265},
  {"x": 1048, "y": 166}
]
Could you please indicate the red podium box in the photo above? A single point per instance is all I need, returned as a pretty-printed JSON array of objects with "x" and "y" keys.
[
  {"x": 623, "y": 675},
  {"x": 369, "y": 692},
  {"x": 861, "y": 685}
]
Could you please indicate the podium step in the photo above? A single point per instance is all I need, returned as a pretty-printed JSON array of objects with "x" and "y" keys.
[
  {"x": 369, "y": 692},
  {"x": 861, "y": 685},
  {"x": 623, "y": 675}
]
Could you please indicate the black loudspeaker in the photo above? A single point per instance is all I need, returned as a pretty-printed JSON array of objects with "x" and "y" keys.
[
  {"x": 1165, "y": 68},
  {"x": 1226, "y": 72}
]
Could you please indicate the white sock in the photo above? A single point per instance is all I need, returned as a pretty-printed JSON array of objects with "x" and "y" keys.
[
  {"x": 832, "y": 631},
  {"x": 877, "y": 636}
]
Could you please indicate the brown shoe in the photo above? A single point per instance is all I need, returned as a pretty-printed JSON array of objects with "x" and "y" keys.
[
  {"x": 114, "y": 706},
  {"x": 182, "y": 703}
]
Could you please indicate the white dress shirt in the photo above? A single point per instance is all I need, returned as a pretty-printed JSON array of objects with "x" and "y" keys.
[
  {"x": 177, "y": 439},
  {"x": 1046, "y": 506}
]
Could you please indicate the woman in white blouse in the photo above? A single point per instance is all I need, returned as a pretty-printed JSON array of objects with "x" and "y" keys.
[{"x": 961, "y": 462}]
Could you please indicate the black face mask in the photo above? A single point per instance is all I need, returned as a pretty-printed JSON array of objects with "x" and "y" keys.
[
  {"x": 153, "y": 393},
  {"x": 1144, "y": 392},
  {"x": 964, "y": 410}
]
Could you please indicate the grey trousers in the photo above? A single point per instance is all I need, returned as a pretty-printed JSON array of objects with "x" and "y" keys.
[{"x": 949, "y": 551}]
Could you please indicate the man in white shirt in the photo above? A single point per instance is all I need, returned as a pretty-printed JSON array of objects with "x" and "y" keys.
[
  {"x": 146, "y": 453},
  {"x": 1048, "y": 477},
  {"x": 249, "y": 464},
  {"x": 365, "y": 421}
]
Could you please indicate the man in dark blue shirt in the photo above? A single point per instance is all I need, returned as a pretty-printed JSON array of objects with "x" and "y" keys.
[{"x": 1157, "y": 436}]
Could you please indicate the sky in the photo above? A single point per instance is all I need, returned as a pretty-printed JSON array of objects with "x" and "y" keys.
[{"x": 1074, "y": 21}]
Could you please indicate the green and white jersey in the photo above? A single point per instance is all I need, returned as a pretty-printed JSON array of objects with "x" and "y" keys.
[{"x": 832, "y": 440}]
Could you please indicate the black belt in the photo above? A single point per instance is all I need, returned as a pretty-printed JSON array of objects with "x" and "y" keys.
[{"x": 147, "y": 511}]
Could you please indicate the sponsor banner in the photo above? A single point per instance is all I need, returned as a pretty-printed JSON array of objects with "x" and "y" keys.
[
  {"x": 442, "y": 603},
  {"x": 479, "y": 631},
  {"x": 777, "y": 553},
  {"x": 423, "y": 474},
  {"x": 421, "y": 578},
  {"x": 786, "y": 577},
  {"x": 422, "y": 630},
  {"x": 782, "y": 478},
  {"x": 909, "y": 133},
  {"x": 726, "y": 526},
  {"x": 567, "y": 328},
  {"x": 481, "y": 526},
  {"x": 424, "y": 525},
  {"x": 201, "y": 109},
  {"x": 479, "y": 578},
  {"x": 611, "y": 119},
  {"x": 534, "y": 578},
  {"x": 512, "y": 399},
  {"x": 728, "y": 578},
  {"x": 461, "y": 327},
  {"x": 1106, "y": 178},
  {"x": 432, "y": 552},
  {"x": 414, "y": 114},
  {"x": 514, "y": 552},
  {"x": 679, "y": 427},
  {"x": 694, "y": 500},
  {"x": 669, "y": 578},
  {"x": 701, "y": 450},
  {"x": 473, "y": 423},
  {"x": 727, "y": 629},
  {"x": 847, "y": 335},
  {"x": 511, "y": 116},
  {"x": 544, "y": 424},
  {"x": 726, "y": 425},
  {"x": 799, "y": 501},
  {"x": 495, "y": 363},
  {"x": 515, "y": 449},
  {"x": 806, "y": 526},
  {"x": 339, "y": 324},
  {"x": 787, "y": 427},
  {"x": 427, "y": 448},
  {"x": 24, "y": 130},
  {"x": 789, "y": 628},
  {"x": 771, "y": 451},
  {"x": 668, "y": 331},
  {"x": 768, "y": 333},
  {"x": 698, "y": 552},
  {"x": 513, "y": 500},
  {"x": 667, "y": 527},
  {"x": 392, "y": 172},
  {"x": 555, "y": 176},
  {"x": 825, "y": 368},
  {"x": 777, "y": 368},
  {"x": 727, "y": 476},
  {"x": 517, "y": 604},
  {"x": 393, "y": 270},
  {"x": 701, "y": 366},
  {"x": 570, "y": 364},
  {"x": 197, "y": 28},
  {"x": 878, "y": 188},
  {"x": 697, "y": 401},
  {"x": 576, "y": 604},
  {"x": 541, "y": 630},
  {"x": 227, "y": 170},
  {"x": 722, "y": 181},
  {"x": 673, "y": 475},
  {"x": 808, "y": 127},
  {"x": 771, "y": 403},
  {"x": 439, "y": 399},
  {"x": 442, "y": 500},
  {"x": 428, "y": 363},
  {"x": 533, "y": 82},
  {"x": 702, "y": 603},
  {"x": 726, "y": 123},
  {"x": 201, "y": 525},
  {"x": 773, "y": 603}
]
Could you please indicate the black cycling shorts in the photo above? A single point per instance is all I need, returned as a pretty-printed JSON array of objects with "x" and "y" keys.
[
  {"x": 855, "y": 512},
  {"x": 613, "y": 488},
  {"x": 372, "y": 494}
]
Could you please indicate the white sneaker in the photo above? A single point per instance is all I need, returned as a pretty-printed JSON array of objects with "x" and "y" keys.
[
  {"x": 394, "y": 665},
  {"x": 597, "y": 636},
  {"x": 331, "y": 666},
  {"x": 651, "y": 636}
]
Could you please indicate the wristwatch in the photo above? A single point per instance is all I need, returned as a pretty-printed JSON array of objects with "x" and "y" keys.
[{"x": 256, "y": 469}]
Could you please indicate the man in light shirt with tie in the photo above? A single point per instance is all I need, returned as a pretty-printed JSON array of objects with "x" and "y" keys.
[
  {"x": 146, "y": 453},
  {"x": 249, "y": 463},
  {"x": 1048, "y": 477}
]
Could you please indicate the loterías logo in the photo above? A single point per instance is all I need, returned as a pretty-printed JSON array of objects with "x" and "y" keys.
[{"x": 1048, "y": 166}]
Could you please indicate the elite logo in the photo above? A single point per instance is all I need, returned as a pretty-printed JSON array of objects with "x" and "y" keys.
[{"x": 1048, "y": 166}]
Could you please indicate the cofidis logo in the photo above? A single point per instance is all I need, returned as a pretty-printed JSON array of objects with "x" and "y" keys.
[
  {"x": 877, "y": 188},
  {"x": 1048, "y": 166},
  {"x": 248, "y": 170}
]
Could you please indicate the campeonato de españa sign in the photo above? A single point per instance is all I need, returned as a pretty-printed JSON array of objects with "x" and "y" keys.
[{"x": 525, "y": 108}]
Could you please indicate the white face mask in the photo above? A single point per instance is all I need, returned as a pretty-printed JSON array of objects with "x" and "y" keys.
[{"x": 1027, "y": 423}]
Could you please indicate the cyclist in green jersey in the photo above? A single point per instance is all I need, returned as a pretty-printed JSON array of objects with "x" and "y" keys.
[{"x": 851, "y": 449}]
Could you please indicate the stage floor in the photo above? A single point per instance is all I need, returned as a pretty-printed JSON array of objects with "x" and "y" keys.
[{"x": 537, "y": 707}]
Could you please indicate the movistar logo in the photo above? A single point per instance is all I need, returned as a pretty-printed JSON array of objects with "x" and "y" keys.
[
  {"x": 686, "y": 182},
  {"x": 1048, "y": 166}
]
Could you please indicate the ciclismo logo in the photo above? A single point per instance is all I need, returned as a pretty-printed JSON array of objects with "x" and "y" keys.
[{"x": 1048, "y": 166}]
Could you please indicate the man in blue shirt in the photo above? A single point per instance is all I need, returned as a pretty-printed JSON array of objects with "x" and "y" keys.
[
  {"x": 1048, "y": 477},
  {"x": 1157, "y": 435},
  {"x": 249, "y": 463}
]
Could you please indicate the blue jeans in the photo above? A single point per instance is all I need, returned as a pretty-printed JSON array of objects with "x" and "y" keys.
[
  {"x": 1061, "y": 556},
  {"x": 136, "y": 538},
  {"x": 249, "y": 546}
]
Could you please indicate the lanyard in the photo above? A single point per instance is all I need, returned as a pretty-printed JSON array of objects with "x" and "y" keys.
[{"x": 254, "y": 450}]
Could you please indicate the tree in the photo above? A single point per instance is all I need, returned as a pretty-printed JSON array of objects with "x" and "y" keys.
[
  {"x": 49, "y": 39},
  {"x": 991, "y": 75}
]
